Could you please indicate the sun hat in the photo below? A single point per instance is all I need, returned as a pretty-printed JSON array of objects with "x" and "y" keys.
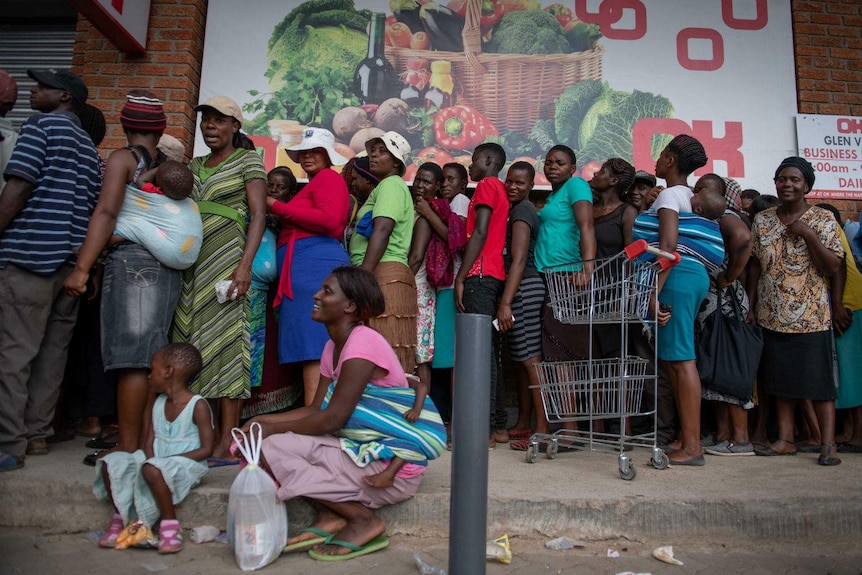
[
  {"x": 143, "y": 112},
  {"x": 395, "y": 143},
  {"x": 62, "y": 80},
  {"x": 224, "y": 106},
  {"x": 645, "y": 176},
  {"x": 171, "y": 147},
  {"x": 317, "y": 138}
]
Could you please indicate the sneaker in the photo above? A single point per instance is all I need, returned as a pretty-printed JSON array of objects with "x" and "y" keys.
[
  {"x": 109, "y": 539},
  {"x": 170, "y": 536},
  {"x": 10, "y": 462},
  {"x": 730, "y": 448},
  {"x": 37, "y": 446},
  {"x": 708, "y": 441}
]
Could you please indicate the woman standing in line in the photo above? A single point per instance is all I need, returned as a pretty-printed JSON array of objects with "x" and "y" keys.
[{"x": 230, "y": 189}]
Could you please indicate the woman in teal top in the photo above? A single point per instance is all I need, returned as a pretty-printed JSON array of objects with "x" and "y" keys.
[{"x": 566, "y": 235}]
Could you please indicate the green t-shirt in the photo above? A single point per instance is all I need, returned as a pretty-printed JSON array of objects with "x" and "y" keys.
[
  {"x": 559, "y": 240},
  {"x": 390, "y": 199}
]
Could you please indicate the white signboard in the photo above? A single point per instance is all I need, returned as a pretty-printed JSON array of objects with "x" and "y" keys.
[
  {"x": 720, "y": 70},
  {"x": 833, "y": 145},
  {"x": 123, "y": 22}
]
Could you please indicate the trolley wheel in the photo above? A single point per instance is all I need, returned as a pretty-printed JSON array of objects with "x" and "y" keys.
[
  {"x": 532, "y": 452},
  {"x": 662, "y": 461},
  {"x": 552, "y": 449},
  {"x": 630, "y": 474}
]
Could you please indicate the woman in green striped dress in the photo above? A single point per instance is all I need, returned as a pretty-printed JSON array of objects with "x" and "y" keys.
[{"x": 230, "y": 186}]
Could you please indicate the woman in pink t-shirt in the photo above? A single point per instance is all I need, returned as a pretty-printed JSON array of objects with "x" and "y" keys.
[{"x": 311, "y": 451}]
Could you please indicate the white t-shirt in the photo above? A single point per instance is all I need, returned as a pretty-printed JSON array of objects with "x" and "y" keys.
[{"x": 676, "y": 198}]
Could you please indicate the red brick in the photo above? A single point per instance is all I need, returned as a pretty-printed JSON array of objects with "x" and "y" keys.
[
  {"x": 835, "y": 8},
  {"x": 831, "y": 87},
  {"x": 845, "y": 53},
  {"x": 814, "y": 96},
  {"x": 843, "y": 31},
  {"x": 845, "y": 76},
  {"x": 853, "y": 21},
  {"x": 809, "y": 6},
  {"x": 813, "y": 73},
  {"x": 813, "y": 29},
  {"x": 133, "y": 81},
  {"x": 184, "y": 10},
  {"x": 853, "y": 44},
  {"x": 159, "y": 45},
  {"x": 159, "y": 23},
  {"x": 171, "y": 82},
  {"x": 175, "y": 58},
  {"x": 805, "y": 84},
  {"x": 811, "y": 51},
  {"x": 108, "y": 94},
  {"x": 175, "y": 107},
  {"x": 826, "y": 19},
  {"x": 847, "y": 98},
  {"x": 831, "y": 41},
  {"x": 833, "y": 109},
  {"x": 101, "y": 80},
  {"x": 174, "y": 34},
  {"x": 153, "y": 69}
]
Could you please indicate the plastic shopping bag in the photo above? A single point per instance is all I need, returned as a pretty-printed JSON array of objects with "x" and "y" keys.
[{"x": 256, "y": 520}]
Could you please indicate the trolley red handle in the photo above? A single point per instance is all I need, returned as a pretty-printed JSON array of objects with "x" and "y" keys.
[{"x": 666, "y": 260}]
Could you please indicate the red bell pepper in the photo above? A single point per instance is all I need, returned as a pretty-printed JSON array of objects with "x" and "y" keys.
[
  {"x": 492, "y": 11},
  {"x": 563, "y": 15},
  {"x": 459, "y": 127}
]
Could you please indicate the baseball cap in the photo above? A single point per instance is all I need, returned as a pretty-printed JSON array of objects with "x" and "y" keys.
[
  {"x": 317, "y": 138},
  {"x": 224, "y": 106},
  {"x": 62, "y": 80},
  {"x": 645, "y": 176}
]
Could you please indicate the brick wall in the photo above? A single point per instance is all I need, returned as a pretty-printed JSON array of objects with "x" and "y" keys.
[
  {"x": 828, "y": 41},
  {"x": 171, "y": 68}
]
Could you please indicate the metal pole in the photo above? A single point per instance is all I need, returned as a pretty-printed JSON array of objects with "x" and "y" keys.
[{"x": 468, "y": 505}]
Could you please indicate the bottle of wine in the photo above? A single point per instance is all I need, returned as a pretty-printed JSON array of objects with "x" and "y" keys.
[{"x": 375, "y": 80}]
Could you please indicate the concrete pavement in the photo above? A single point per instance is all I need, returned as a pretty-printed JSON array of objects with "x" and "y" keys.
[{"x": 578, "y": 494}]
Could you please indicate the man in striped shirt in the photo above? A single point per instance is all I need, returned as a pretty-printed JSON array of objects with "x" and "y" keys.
[{"x": 52, "y": 181}]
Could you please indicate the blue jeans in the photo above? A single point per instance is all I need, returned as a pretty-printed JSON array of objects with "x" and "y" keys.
[{"x": 139, "y": 297}]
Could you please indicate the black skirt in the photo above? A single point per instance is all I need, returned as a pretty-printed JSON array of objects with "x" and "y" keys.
[{"x": 797, "y": 365}]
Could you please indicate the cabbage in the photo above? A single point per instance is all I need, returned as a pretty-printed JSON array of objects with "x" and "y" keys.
[
  {"x": 571, "y": 107},
  {"x": 612, "y": 135},
  {"x": 609, "y": 100}
]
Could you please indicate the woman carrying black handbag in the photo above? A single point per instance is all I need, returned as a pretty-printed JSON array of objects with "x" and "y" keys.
[{"x": 730, "y": 405}]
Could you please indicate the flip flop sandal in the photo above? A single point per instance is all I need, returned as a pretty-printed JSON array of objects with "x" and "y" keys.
[
  {"x": 376, "y": 544},
  {"x": 524, "y": 434},
  {"x": 803, "y": 447},
  {"x": 92, "y": 458},
  {"x": 308, "y": 543},
  {"x": 849, "y": 448},
  {"x": 696, "y": 461},
  {"x": 768, "y": 451}
]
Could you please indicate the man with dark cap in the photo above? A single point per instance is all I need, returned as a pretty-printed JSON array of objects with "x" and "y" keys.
[
  {"x": 640, "y": 189},
  {"x": 8, "y": 136},
  {"x": 52, "y": 180}
]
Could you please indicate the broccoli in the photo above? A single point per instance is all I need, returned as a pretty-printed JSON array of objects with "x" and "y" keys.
[
  {"x": 572, "y": 106},
  {"x": 528, "y": 32},
  {"x": 583, "y": 36}
]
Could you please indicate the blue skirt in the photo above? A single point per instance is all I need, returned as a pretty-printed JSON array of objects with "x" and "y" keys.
[
  {"x": 444, "y": 330},
  {"x": 300, "y": 338},
  {"x": 685, "y": 289}
]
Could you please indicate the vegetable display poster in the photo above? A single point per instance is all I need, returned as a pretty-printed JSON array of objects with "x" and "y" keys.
[{"x": 609, "y": 78}]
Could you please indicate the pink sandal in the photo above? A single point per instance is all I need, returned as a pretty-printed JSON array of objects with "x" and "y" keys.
[
  {"x": 109, "y": 539},
  {"x": 170, "y": 536}
]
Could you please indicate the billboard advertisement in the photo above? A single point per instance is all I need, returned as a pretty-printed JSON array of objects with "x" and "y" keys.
[
  {"x": 609, "y": 78},
  {"x": 833, "y": 145}
]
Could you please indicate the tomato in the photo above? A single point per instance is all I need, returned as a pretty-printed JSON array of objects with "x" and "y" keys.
[
  {"x": 515, "y": 5},
  {"x": 410, "y": 172},
  {"x": 541, "y": 180},
  {"x": 563, "y": 15},
  {"x": 590, "y": 169},
  {"x": 432, "y": 154}
]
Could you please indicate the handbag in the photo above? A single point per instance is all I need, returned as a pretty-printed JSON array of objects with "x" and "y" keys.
[{"x": 728, "y": 352}]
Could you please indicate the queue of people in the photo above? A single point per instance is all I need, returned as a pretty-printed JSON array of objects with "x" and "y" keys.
[{"x": 216, "y": 276}]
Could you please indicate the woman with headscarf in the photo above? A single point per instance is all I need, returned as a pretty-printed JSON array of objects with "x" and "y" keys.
[
  {"x": 796, "y": 249},
  {"x": 309, "y": 248},
  {"x": 135, "y": 315},
  {"x": 381, "y": 244},
  {"x": 230, "y": 189}
]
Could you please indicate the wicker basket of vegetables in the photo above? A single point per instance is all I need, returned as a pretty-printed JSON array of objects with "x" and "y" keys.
[{"x": 514, "y": 90}]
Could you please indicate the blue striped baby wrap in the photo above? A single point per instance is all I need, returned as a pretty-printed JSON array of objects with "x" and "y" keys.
[
  {"x": 377, "y": 428},
  {"x": 699, "y": 239}
]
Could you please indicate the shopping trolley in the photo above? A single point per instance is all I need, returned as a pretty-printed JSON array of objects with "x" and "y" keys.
[{"x": 617, "y": 290}]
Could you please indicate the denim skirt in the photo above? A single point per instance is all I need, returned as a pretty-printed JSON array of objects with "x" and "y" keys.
[{"x": 139, "y": 296}]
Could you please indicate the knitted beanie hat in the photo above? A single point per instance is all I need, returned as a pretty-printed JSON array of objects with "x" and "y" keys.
[{"x": 143, "y": 112}]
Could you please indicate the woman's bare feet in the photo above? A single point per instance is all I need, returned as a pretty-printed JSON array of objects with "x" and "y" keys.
[
  {"x": 358, "y": 531},
  {"x": 326, "y": 521}
]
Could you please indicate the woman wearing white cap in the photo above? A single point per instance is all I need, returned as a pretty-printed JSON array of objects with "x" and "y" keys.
[
  {"x": 230, "y": 189},
  {"x": 309, "y": 248},
  {"x": 381, "y": 244}
]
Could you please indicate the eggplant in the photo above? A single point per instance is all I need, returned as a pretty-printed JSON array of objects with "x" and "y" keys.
[
  {"x": 443, "y": 26},
  {"x": 407, "y": 12}
]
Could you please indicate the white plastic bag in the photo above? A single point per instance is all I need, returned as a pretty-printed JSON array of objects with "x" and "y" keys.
[{"x": 256, "y": 520}]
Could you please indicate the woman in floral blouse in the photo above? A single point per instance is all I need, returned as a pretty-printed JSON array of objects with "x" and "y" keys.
[{"x": 796, "y": 248}]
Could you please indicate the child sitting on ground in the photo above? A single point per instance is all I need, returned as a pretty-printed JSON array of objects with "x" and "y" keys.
[
  {"x": 149, "y": 483},
  {"x": 161, "y": 216},
  {"x": 386, "y": 478}
]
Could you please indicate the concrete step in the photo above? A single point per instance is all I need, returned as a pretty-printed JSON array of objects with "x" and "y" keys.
[{"x": 578, "y": 494}]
